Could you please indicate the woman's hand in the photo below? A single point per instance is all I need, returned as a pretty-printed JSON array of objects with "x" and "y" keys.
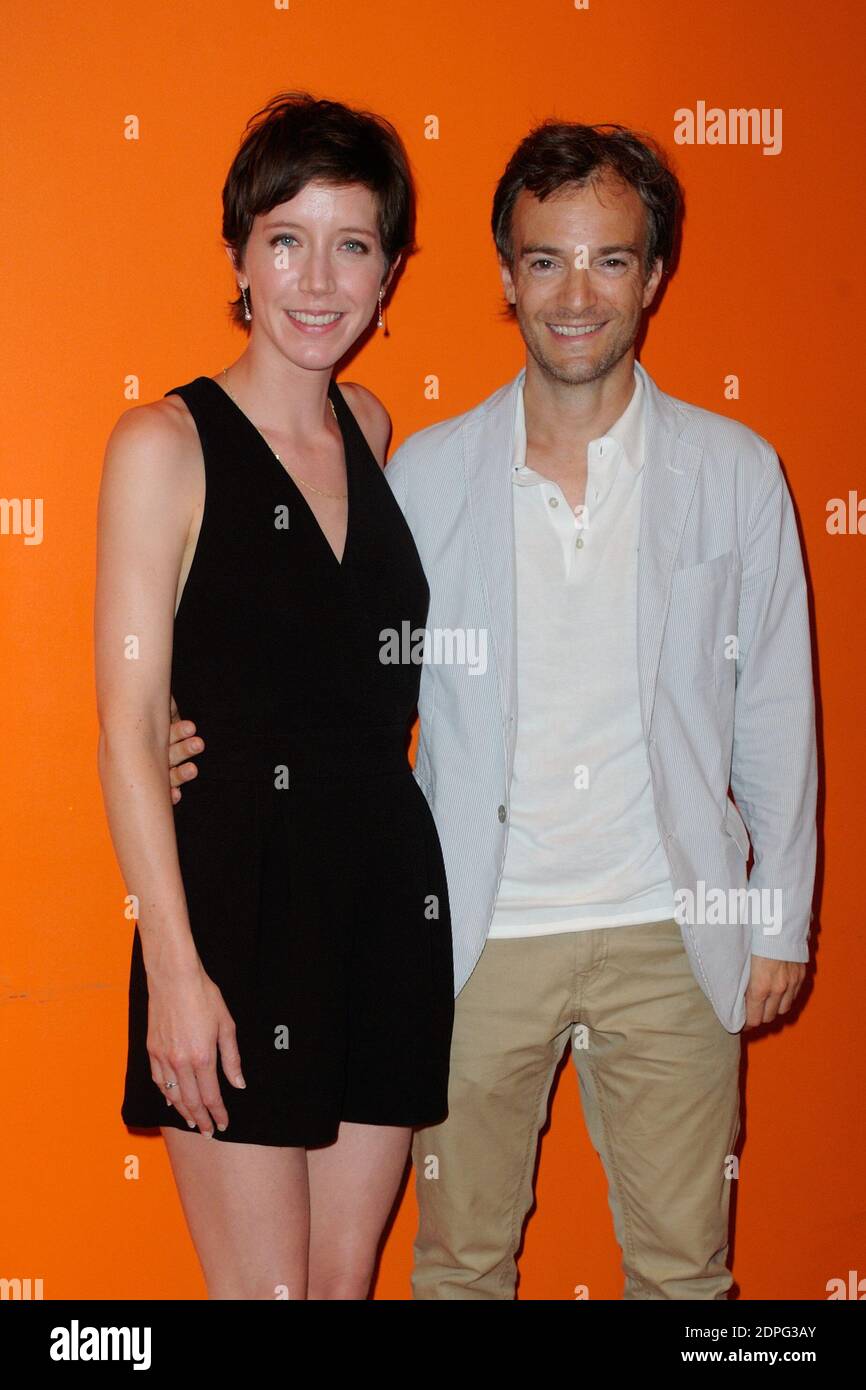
[{"x": 187, "y": 1021}]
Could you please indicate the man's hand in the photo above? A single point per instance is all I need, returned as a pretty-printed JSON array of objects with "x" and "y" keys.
[
  {"x": 773, "y": 985},
  {"x": 181, "y": 746}
]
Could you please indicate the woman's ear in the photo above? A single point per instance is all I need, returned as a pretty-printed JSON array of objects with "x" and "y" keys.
[{"x": 389, "y": 277}]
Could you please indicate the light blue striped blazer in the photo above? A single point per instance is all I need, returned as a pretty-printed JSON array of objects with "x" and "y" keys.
[{"x": 719, "y": 556}]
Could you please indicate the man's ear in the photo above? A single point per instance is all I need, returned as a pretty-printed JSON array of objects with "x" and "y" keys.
[
  {"x": 507, "y": 281},
  {"x": 652, "y": 282}
]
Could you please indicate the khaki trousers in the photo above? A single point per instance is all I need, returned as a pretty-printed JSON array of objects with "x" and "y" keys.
[{"x": 659, "y": 1087}]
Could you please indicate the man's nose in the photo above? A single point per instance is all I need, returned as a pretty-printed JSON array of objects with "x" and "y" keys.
[{"x": 579, "y": 292}]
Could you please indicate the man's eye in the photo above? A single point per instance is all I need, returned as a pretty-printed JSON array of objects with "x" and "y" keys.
[
  {"x": 613, "y": 260},
  {"x": 543, "y": 260}
]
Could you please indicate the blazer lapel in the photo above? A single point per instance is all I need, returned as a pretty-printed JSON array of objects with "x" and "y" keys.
[
  {"x": 671, "y": 467},
  {"x": 488, "y": 456}
]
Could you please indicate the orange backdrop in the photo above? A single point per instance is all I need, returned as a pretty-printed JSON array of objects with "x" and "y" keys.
[{"x": 114, "y": 269}]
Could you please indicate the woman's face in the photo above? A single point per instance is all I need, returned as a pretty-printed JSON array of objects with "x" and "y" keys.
[{"x": 315, "y": 266}]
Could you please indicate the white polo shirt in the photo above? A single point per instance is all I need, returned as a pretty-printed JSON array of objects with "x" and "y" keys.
[{"x": 583, "y": 845}]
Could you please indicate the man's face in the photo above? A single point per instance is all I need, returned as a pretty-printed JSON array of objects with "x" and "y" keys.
[{"x": 578, "y": 263}]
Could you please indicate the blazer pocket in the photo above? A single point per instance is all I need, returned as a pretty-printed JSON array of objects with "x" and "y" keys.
[
  {"x": 702, "y": 614},
  {"x": 705, "y": 571}
]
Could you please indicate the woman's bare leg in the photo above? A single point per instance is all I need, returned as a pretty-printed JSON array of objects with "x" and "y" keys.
[
  {"x": 353, "y": 1183},
  {"x": 247, "y": 1207}
]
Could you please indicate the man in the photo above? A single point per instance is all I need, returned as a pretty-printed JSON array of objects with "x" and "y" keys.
[{"x": 635, "y": 563}]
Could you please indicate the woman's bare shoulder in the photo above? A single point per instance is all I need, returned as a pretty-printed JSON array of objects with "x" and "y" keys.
[
  {"x": 165, "y": 422},
  {"x": 157, "y": 437},
  {"x": 373, "y": 418}
]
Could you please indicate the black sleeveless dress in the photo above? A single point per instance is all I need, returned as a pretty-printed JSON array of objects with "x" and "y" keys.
[{"x": 311, "y": 864}]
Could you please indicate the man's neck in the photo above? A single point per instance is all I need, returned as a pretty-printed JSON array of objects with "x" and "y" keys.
[{"x": 562, "y": 418}]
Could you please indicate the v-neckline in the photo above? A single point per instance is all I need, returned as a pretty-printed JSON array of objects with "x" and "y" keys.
[{"x": 332, "y": 388}]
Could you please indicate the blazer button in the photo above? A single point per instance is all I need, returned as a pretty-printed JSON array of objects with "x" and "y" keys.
[{"x": 501, "y": 813}]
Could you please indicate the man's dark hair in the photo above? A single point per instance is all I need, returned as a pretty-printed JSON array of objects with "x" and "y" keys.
[
  {"x": 559, "y": 153},
  {"x": 295, "y": 138}
]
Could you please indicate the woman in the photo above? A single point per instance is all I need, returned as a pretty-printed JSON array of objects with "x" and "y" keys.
[{"x": 291, "y": 985}]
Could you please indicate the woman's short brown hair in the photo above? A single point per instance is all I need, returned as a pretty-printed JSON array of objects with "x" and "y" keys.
[{"x": 297, "y": 137}]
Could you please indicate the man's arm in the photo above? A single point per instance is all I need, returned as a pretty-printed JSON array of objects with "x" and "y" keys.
[
  {"x": 184, "y": 743},
  {"x": 774, "y": 763}
]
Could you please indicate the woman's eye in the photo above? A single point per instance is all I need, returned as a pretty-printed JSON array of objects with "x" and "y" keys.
[{"x": 284, "y": 237}]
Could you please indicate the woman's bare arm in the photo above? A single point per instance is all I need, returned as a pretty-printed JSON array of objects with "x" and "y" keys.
[
  {"x": 145, "y": 509},
  {"x": 148, "y": 498}
]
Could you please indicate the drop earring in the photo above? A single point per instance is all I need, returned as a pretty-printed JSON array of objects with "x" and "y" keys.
[
  {"x": 247, "y": 314},
  {"x": 379, "y": 324}
]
